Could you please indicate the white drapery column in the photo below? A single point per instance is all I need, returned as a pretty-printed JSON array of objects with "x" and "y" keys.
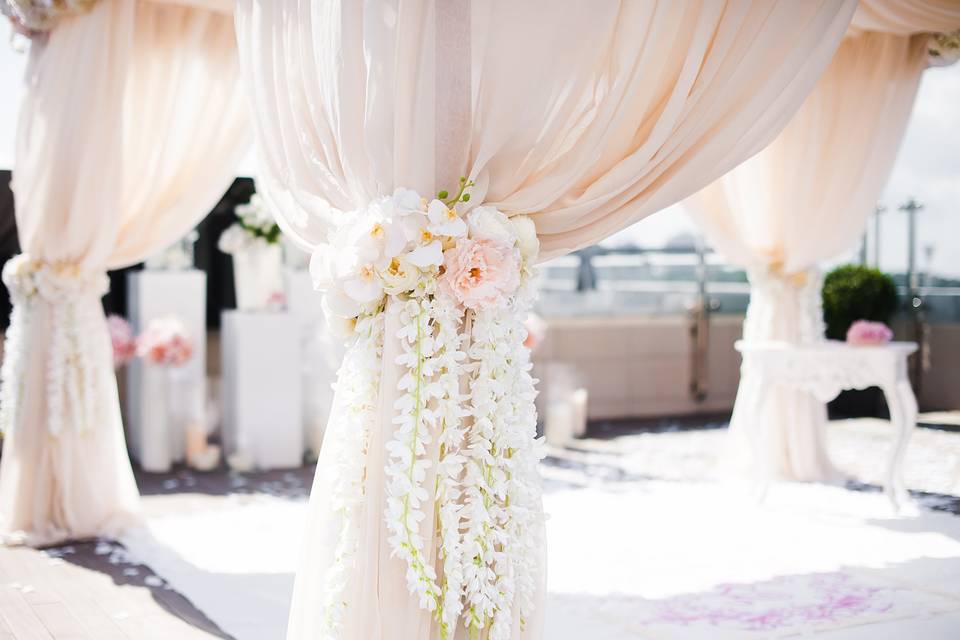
[
  {"x": 129, "y": 133},
  {"x": 806, "y": 198},
  {"x": 347, "y": 101}
]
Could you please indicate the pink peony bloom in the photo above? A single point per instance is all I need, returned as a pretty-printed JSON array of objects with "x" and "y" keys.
[
  {"x": 480, "y": 273},
  {"x": 864, "y": 332},
  {"x": 165, "y": 342},
  {"x": 122, "y": 339}
]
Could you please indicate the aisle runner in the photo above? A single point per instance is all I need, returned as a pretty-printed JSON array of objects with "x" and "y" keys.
[{"x": 657, "y": 560}]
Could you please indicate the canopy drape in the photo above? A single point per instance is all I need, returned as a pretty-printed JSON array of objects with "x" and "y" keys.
[
  {"x": 129, "y": 132},
  {"x": 586, "y": 116},
  {"x": 806, "y": 198}
]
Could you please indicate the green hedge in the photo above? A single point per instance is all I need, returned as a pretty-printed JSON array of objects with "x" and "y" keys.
[{"x": 852, "y": 293}]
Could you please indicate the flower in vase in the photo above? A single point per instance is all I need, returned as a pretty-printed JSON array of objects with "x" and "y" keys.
[
  {"x": 480, "y": 272},
  {"x": 165, "y": 342},
  {"x": 122, "y": 339},
  {"x": 865, "y": 332}
]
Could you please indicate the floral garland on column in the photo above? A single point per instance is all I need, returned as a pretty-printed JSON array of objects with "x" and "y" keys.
[
  {"x": 32, "y": 17},
  {"x": 77, "y": 339},
  {"x": 461, "y": 286}
]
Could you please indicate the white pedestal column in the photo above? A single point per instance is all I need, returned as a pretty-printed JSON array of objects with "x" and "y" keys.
[
  {"x": 151, "y": 295},
  {"x": 262, "y": 399}
]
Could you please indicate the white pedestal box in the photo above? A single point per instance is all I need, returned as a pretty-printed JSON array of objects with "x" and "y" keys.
[
  {"x": 322, "y": 354},
  {"x": 262, "y": 382},
  {"x": 151, "y": 295}
]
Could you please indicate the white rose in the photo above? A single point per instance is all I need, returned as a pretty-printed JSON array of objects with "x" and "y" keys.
[
  {"x": 445, "y": 221},
  {"x": 489, "y": 223},
  {"x": 399, "y": 276},
  {"x": 526, "y": 233}
]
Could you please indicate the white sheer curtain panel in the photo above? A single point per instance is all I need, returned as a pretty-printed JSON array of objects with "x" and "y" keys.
[
  {"x": 129, "y": 131},
  {"x": 806, "y": 198},
  {"x": 585, "y": 115}
]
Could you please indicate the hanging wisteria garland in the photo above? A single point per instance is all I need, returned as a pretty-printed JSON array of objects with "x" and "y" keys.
[
  {"x": 464, "y": 419},
  {"x": 78, "y": 341}
]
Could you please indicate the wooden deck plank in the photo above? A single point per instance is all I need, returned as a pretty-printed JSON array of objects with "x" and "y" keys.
[
  {"x": 20, "y": 617},
  {"x": 58, "y": 620}
]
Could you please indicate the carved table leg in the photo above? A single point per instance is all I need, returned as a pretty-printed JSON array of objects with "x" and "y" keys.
[{"x": 903, "y": 415}]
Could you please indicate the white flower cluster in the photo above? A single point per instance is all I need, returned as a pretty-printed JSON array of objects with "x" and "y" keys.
[
  {"x": 944, "y": 48},
  {"x": 78, "y": 339},
  {"x": 503, "y": 514},
  {"x": 36, "y": 16},
  {"x": 460, "y": 286},
  {"x": 255, "y": 228},
  {"x": 403, "y": 245},
  {"x": 358, "y": 385}
]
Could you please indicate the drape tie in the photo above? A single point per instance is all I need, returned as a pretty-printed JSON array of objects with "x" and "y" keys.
[
  {"x": 784, "y": 306},
  {"x": 76, "y": 345}
]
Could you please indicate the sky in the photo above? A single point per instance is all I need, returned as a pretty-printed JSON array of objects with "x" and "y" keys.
[{"x": 927, "y": 168}]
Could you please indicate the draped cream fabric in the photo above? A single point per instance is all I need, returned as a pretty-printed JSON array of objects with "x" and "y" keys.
[
  {"x": 585, "y": 115},
  {"x": 806, "y": 198},
  {"x": 906, "y": 17},
  {"x": 129, "y": 131}
]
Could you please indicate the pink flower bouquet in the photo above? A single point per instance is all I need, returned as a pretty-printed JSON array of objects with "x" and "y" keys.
[
  {"x": 865, "y": 332},
  {"x": 165, "y": 342},
  {"x": 122, "y": 339}
]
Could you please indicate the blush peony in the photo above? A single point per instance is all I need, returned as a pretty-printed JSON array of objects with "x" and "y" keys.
[
  {"x": 865, "y": 332},
  {"x": 480, "y": 273}
]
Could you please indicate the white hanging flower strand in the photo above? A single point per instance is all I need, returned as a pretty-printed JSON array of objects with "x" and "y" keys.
[
  {"x": 78, "y": 340},
  {"x": 440, "y": 270},
  {"x": 358, "y": 385}
]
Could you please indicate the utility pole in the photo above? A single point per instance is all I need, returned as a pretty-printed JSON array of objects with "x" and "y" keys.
[
  {"x": 911, "y": 207},
  {"x": 915, "y": 302},
  {"x": 876, "y": 234}
]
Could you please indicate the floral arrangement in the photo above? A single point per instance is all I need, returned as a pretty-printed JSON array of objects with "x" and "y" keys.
[
  {"x": 865, "y": 332},
  {"x": 71, "y": 295},
  {"x": 457, "y": 285},
  {"x": 32, "y": 17},
  {"x": 944, "y": 48},
  {"x": 122, "y": 339},
  {"x": 254, "y": 226},
  {"x": 165, "y": 342}
]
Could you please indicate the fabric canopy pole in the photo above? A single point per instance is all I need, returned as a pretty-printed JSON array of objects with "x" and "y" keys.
[
  {"x": 805, "y": 198},
  {"x": 129, "y": 131},
  {"x": 352, "y": 100}
]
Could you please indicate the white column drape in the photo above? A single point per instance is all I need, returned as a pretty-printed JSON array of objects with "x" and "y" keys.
[
  {"x": 805, "y": 198},
  {"x": 130, "y": 129},
  {"x": 585, "y": 115}
]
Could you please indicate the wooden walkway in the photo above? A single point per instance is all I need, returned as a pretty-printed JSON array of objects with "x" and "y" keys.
[{"x": 44, "y": 597}]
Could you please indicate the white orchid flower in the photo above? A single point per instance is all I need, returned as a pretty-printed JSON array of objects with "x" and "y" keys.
[
  {"x": 428, "y": 255},
  {"x": 341, "y": 305},
  {"x": 445, "y": 221},
  {"x": 407, "y": 201}
]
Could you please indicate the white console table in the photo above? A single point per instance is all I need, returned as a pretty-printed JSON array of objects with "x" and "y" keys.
[{"x": 825, "y": 369}]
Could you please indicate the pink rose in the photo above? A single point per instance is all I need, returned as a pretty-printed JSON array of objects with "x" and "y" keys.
[
  {"x": 122, "y": 339},
  {"x": 864, "y": 332},
  {"x": 480, "y": 273},
  {"x": 165, "y": 342}
]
